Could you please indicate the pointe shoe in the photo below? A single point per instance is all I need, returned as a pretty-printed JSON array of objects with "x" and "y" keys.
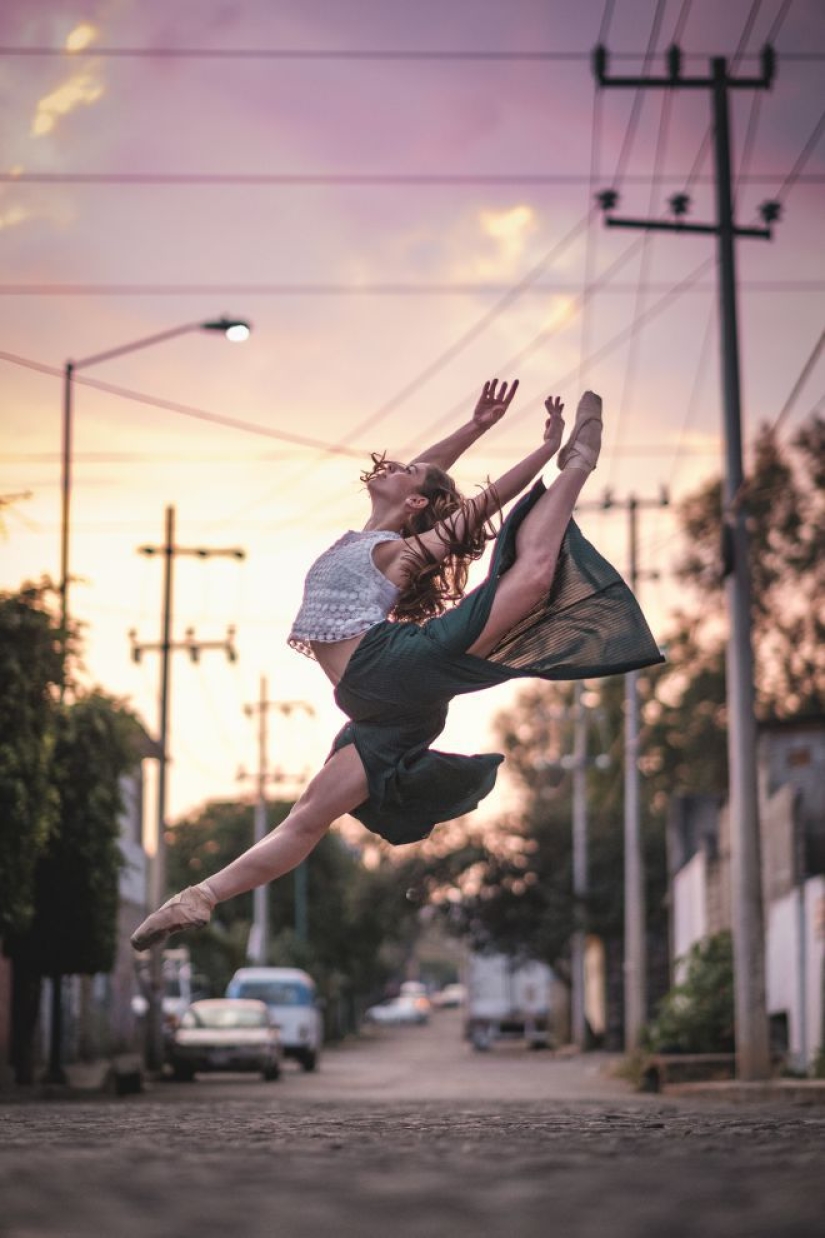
[
  {"x": 581, "y": 451},
  {"x": 191, "y": 908}
]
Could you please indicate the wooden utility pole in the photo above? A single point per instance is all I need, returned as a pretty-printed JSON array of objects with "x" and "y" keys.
[{"x": 752, "y": 1049}]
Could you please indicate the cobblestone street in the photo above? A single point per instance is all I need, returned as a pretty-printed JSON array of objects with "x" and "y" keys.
[{"x": 410, "y": 1132}]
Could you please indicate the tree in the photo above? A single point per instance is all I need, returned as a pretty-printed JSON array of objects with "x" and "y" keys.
[
  {"x": 786, "y": 518},
  {"x": 74, "y": 926},
  {"x": 29, "y": 672}
]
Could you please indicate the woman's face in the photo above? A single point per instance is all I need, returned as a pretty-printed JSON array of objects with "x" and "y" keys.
[{"x": 395, "y": 482}]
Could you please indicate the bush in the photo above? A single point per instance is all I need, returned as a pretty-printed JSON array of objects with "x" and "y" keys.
[{"x": 696, "y": 1016}]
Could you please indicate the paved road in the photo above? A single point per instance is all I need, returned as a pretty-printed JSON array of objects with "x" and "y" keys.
[{"x": 408, "y": 1132}]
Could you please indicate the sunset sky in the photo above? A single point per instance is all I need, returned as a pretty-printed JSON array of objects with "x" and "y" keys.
[{"x": 379, "y": 306}]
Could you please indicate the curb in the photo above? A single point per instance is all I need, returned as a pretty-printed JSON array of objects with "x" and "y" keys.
[{"x": 781, "y": 1091}]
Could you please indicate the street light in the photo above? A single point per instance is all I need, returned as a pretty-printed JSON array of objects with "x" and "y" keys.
[{"x": 235, "y": 329}]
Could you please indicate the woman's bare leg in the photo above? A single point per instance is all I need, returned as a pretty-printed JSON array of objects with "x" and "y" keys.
[
  {"x": 538, "y": 544},
  {"x": 335, "y": 790}
]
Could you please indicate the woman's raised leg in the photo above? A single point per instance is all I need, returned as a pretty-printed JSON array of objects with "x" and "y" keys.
[
  {"x": 540, "y": 536},
  {"x": 336, "y": 789}
]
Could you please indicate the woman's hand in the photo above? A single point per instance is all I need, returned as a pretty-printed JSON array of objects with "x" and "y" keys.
[
  {"x": 493, "y": 403},
  {"x": 554, "y": 426}
]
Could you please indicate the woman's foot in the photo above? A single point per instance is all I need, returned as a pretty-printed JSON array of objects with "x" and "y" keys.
[
  {"x": 192, "y": 908},
  {"x": 581, "y": 451}
]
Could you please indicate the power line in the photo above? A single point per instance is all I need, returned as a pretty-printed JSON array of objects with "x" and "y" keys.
[
  {"x": 800, "y": 382},
  {"x": 591, "y": 236},
  {"x": 638, "y": 98},
  {"x": 794, "y": 175},
  {"x": 737, "y": 58},
  {"x": 424, "y": 376},
  {"x": 368, "y": 54},
  {"x": 185, "y": 410},
  {"x": 400, "y": 289},
  {"x": 355, "y": 179}
]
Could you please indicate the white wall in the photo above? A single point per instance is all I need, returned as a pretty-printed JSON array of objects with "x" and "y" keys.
[
  {"x": 690, "y": 911},
  {"x": 794, "y": 961}
]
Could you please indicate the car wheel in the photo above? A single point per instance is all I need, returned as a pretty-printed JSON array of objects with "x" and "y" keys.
[
  {"x": 309, "y": 1060},
  {"x": 183, "y": 1074},
  {"x": 271, "y": 1073}
]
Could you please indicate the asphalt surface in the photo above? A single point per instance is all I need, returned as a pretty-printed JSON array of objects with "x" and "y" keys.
[{"x": 409, "y": 1132}]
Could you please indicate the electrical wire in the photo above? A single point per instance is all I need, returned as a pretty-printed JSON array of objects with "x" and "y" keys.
[
  {"x": 362, "y": 290},
  {"x": 800, "y": 382},
  {"x": 321, "y": 54},
  {"x": 185, "y": 410},
  {"x": 591, "y": 236},
  {"x": 342, "y": 179}
]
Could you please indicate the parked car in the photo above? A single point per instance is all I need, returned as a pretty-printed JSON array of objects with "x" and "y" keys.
[
  {"x": 398, "y": 1011},
  {"x": 418, "y": 993},
  {"x": 223, "y": 1034},
  {"x": 450, "y": 996},
  {"x": 291, "y": 997}
]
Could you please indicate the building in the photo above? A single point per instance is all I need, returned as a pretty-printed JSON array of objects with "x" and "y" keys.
[{"x": 792, "y": 822}]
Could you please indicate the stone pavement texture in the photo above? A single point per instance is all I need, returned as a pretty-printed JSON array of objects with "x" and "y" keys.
[{"x": 366, "y": 1147}]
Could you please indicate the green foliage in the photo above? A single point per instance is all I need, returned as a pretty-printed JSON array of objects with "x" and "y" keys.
[
  {"x": 785, "y": 505},
  {"x": 76, "y": 884},
  {"x": 696, "y": 1016},
  {"x": 29, "y": 670}
]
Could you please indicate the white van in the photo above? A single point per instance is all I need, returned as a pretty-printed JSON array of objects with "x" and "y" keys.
[{"x": 291, "y": 997}]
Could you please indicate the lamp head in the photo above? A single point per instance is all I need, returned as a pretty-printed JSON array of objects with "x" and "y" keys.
[{"x": 235, "y": 329}]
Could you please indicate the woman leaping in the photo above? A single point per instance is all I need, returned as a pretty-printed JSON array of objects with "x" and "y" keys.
[{"x": 385, "y": 615}]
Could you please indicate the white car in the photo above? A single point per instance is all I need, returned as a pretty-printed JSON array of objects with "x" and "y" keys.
[
  {"x": 290, "y": 995},
  {"x": 218, "y": 1034},
  {"x": 399, "y": 1011}
]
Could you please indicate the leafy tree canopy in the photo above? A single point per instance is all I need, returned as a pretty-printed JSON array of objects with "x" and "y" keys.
[{"x": 29, "y": 672}]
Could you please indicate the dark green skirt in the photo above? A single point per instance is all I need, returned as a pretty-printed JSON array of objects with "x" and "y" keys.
[{"x": 398, "y": 683}]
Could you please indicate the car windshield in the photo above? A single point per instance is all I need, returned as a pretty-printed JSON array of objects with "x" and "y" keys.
[
  {"x": 215, "y": 1017},
  {"x": 273, "y": 992}
]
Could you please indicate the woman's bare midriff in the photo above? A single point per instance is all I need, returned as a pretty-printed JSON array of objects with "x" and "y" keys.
[{"x": 333, "y": 656}]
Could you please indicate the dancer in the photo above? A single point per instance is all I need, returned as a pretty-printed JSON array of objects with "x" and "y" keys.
[{"x": 385, "y": 615}]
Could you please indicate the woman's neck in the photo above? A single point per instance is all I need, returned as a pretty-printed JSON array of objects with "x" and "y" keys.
[{"x": 386, "y": 519}]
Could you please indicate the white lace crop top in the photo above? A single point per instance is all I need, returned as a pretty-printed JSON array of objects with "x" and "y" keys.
[{"x": 344, "y": 592}]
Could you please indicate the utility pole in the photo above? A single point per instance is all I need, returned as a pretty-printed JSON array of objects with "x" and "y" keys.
[
  {"x": 635, "y": 943},
  {"x": 752, "y": 1050},
  {"x": 577, "y": 763},
  {"x": 259, "y": 937},
  {"x": 165, "y": 647},
  {"x": 580, "y": 859}
]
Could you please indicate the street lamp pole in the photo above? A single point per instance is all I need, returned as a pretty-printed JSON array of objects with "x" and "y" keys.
[{"x": 233, "y": 328}]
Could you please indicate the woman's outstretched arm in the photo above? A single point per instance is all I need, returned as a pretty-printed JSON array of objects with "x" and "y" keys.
[
  {"x": 492, "y": 404},
  {"x": 486, "y": 504}
]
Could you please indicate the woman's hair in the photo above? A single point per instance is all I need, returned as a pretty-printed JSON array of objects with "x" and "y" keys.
[{"x": 432, "y": 583}]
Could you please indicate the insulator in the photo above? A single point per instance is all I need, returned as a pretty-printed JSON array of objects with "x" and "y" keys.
[
  {"x": 771, "y": 212},
  {"x": 600, "y": 64},
  {"x": 768, "y": 65},
  {"x": 679, "y": 204},
  {"x": 674, "y": 62},
  {"x": 608, "y": 199}
]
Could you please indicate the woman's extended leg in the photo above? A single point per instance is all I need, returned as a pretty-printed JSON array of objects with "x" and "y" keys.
[
  {"x": 540, "y": 536},
  {"x": 336, "y": 789}
]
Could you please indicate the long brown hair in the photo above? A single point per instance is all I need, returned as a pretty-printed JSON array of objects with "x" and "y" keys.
[{"x": 433, "y": 583}]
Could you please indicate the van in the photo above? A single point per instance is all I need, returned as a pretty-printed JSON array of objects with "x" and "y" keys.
[{"x": 291, "y": 997}]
